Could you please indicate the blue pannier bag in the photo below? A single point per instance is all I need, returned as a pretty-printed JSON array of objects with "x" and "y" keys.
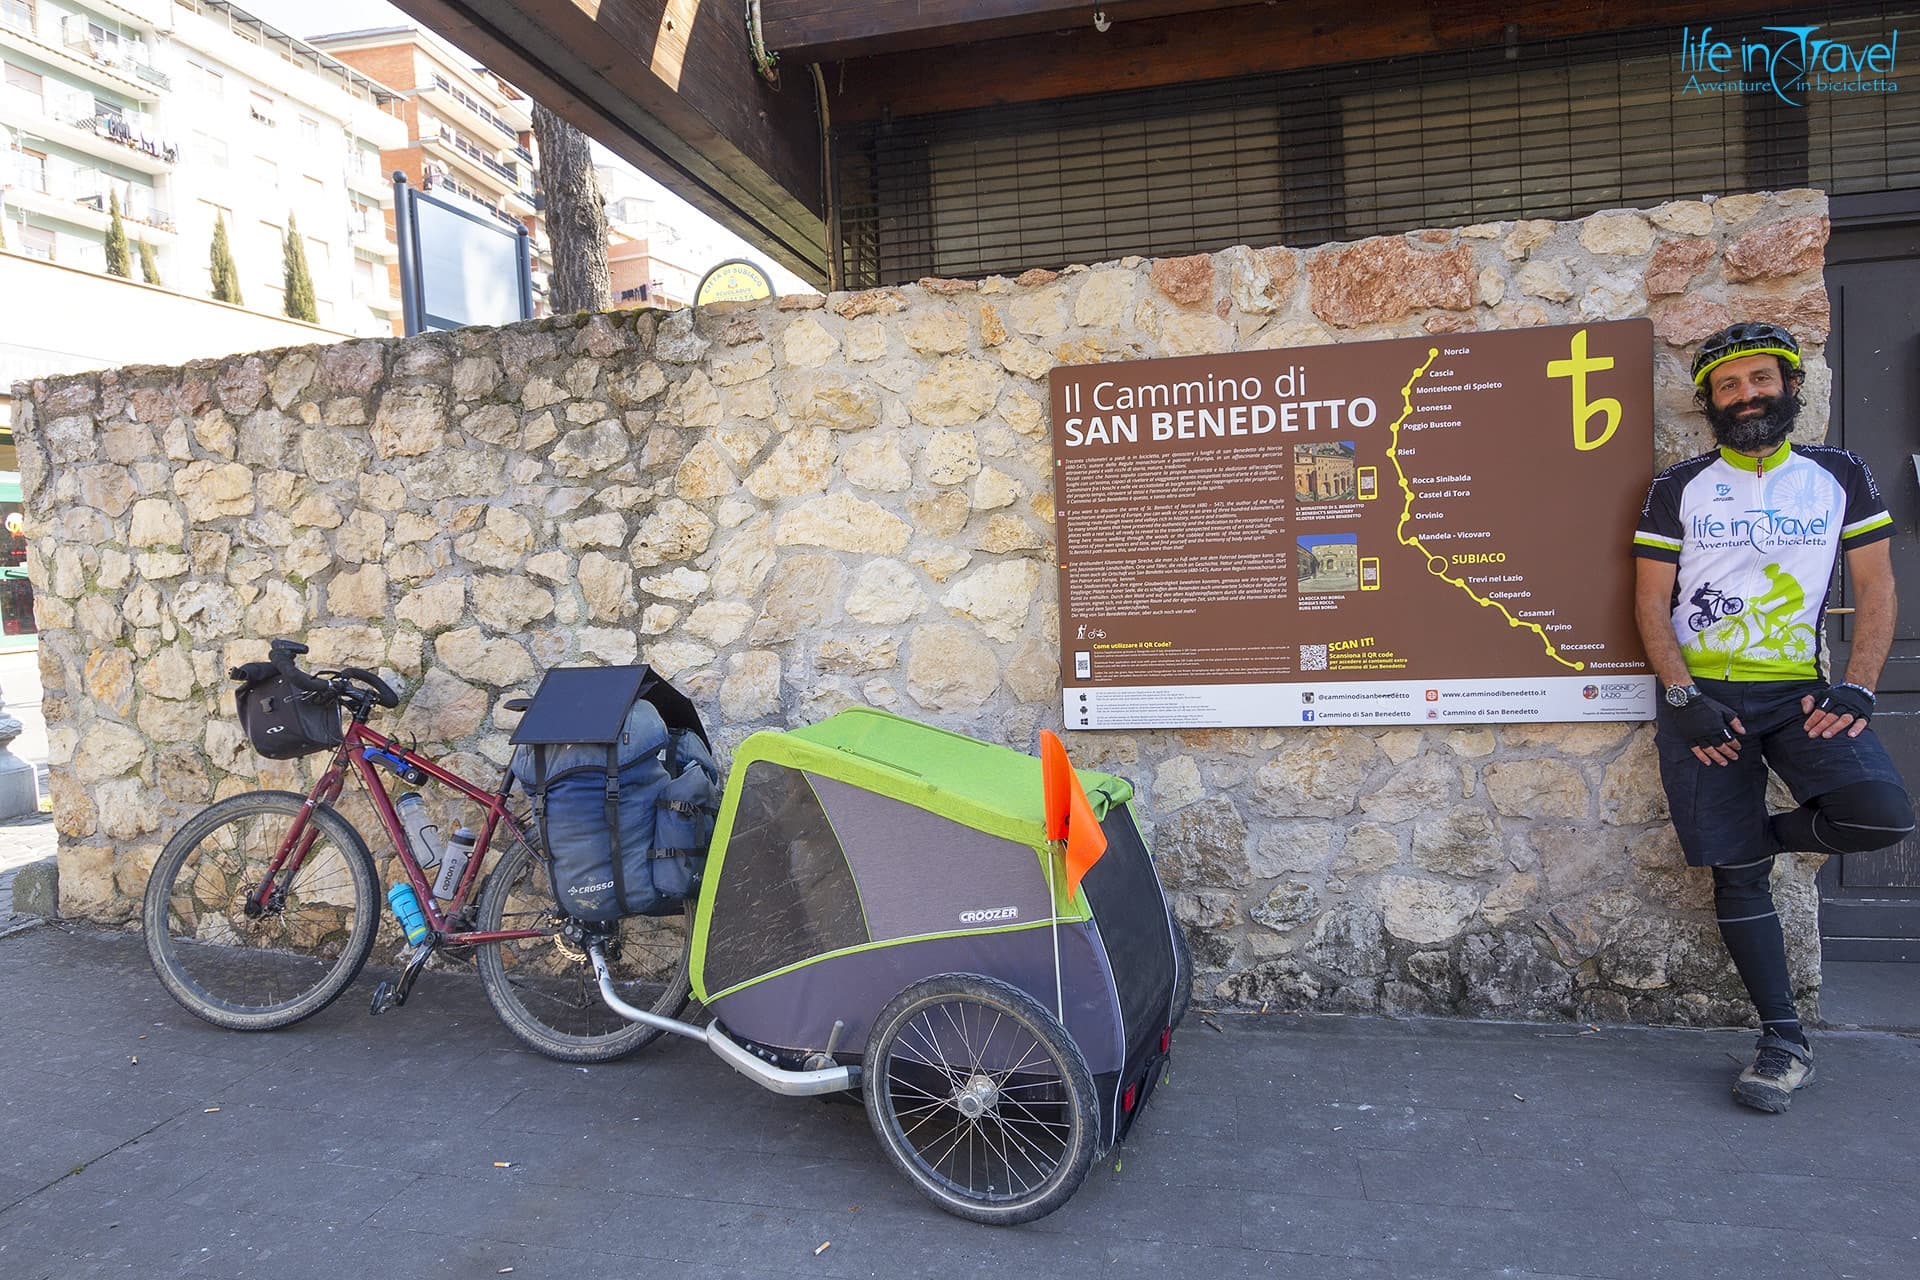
[{"x": 625, "y": 807}]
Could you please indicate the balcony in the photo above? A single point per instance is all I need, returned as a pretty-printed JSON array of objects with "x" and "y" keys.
[
  {"x": 492, "y": 173},
  {"x": 473, "y": 106},
  {"x": 121, "y": 65}
]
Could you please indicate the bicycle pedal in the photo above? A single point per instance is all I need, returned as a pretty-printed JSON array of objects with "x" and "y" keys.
[{"x": 385, "y": 997}]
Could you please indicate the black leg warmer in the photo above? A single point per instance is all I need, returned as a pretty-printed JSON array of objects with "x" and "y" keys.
[{"x": 1856, "y": 818}]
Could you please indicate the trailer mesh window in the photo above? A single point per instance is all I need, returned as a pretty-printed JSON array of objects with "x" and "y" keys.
[{"x": 1550, "y": 129}]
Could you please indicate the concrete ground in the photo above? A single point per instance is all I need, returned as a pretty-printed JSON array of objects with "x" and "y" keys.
[{"x": 137, "y": 1141}]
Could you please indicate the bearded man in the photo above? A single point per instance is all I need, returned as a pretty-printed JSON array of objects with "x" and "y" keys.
[{"x": 1734, "y": 552}]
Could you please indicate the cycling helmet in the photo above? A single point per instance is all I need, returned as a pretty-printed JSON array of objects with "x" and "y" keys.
[{"x": 1753, "y": 338}]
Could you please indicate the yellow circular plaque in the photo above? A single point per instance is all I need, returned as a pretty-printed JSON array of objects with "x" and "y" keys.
[{"x": 735, "y": 280}]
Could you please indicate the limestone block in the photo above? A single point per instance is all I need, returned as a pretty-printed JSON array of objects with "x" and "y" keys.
[
  {"x": 1526, "y": 236},
  {"x": 470, "y": 654},
  {"x": 830, "y": 400},
  {"x": 885, "y": 592},
  {"x": 1426, "y": 912},
  {"x": 1039, "y": 313},
  {"x": 509, "y": 603},
  {"x": 106, "y": 750},
  {"x": 844, "y": 523},
  {"x": 615, "y": 646},
  {"x": 865, "y": 340},
  {"x": 807, "y": 344},
  {"x": 211, "y": 490},
  {"x": 673, "y": 531},
  {"x": 1025, "y": 360},
  {"x": 444, "y": 708},
  {"x": 868, "y": 302},
  {"x": 801, "y": 598},
  {"x": 1675, "y": 264},
  {"x": 720, "y": 621},
  {"x": 751, "y": 690},
  {"x": 875, "y": 463},
  {"x": 1683, "y": 217},
  {"x": 959, "y": 390},
  {"x": 1548, "y": 278},
  {"x": 1537, "y": 789},
  {"x": 1291, "y": 849},
  {"x": 1616, "y": 234},
  {"x": 949, "y": 668},
  {"x": 207, "y": 610},
  {"x": 1578, "y": 860},
  {"x": 607, "y": 529},
  {"x": 1457, "y": 842},
  {"x": 1033, "y": 672},
  {"x": 937, "y": 331},
  {"x": 674, "y": 660},
  {"x": 1316, "y": 774},
  {"x": 168, "y": 674},
  {"x": 1187, "y": 282},
  {"x": 1105, "y": 299},
  {"x": 1630, "y": 792},
  {"x": 949, "y": 457},
  {"x": 745, "y": 560},
  {"x": 704, "y": 473},
  {"x": 1369, "y": 848},
  {"x": 802, "y": 463},
  {"x": 997, "y": 597},
  {"x": 852, "y": 654},
  {"x": 360, "y": 593},
  {"x": 1259, "y": 282},
  {"x": 741, "y": 366},
  {"x": 433, "y": 607},
  {"x": 1203, "y": 846},
  {"x": 410, "y": 423},
  {"x": 590, "y": 450},
  {"x": 1511, "y": 972}
]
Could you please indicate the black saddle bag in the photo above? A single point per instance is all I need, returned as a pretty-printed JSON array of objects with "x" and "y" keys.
[{"x": 283, "y": 722}]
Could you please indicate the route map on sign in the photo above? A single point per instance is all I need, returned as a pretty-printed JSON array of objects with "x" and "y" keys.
[
  {"x": 1437, "y": 564},
  {"x": 1411, "y": 531}
]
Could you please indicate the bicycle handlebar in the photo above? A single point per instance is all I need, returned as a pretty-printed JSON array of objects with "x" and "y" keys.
[{"x": 283, "y": 652}]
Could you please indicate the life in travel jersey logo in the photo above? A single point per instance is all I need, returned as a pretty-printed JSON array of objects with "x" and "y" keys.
[{"x": 1791, "y": 63}]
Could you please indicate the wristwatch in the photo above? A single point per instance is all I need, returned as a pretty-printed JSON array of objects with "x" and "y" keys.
[{"x": 1679, "y": 695}]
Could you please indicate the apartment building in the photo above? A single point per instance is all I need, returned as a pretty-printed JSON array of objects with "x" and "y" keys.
[
  {"x": 468, "y": 133},
  {"x": 187, "y": 112}
]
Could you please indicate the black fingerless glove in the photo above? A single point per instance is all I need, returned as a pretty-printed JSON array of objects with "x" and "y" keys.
[
  {"x": 1848, "y": 700},
  {"x": 1704, "y": 722}
]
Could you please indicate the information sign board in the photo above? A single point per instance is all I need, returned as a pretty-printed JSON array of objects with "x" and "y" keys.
[{"x": 1420, "y": 530}]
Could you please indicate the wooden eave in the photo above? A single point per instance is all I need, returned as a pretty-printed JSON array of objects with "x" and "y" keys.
[
  {"x": 668, "y": 85},
  {"x": 838, "y": 30}
]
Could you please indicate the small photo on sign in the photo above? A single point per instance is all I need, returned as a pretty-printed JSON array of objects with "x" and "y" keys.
[
  {"x": 1328, "y": 562},
  {"x": 1323, "y": 471}
]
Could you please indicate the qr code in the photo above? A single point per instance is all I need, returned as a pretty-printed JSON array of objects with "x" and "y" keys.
[{"x": 1313, "y": 657}]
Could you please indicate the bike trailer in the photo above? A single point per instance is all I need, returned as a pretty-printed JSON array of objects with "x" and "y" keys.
[{"x": 858, "y": 856}]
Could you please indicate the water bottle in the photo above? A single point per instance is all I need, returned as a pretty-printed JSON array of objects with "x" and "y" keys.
[
  {"x": 454, "y": 864},
  {"x": 406, "y": 909},
  {"x": 422, "y": 832}
]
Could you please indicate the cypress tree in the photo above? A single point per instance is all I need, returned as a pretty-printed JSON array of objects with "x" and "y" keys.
[
  {"x": 119, "y": 260},
  {"x": 226, "y": 276},
  {"x": 299, "y": 282},
  {"x": 149, "y": 266}
]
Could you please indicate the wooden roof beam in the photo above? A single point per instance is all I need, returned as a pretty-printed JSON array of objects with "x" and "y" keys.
[
  {"x": 822, "y": 30},
  {"x": 668, "y": 85}
]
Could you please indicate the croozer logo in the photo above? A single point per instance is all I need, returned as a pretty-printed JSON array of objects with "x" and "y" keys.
[{"x": 1790, "y": 63}]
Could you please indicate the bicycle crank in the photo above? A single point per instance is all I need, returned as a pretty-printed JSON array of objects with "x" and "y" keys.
[{"x": 391, "y": 994}]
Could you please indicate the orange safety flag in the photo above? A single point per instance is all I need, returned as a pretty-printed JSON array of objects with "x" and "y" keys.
[{"x": 1069, "y": 814}]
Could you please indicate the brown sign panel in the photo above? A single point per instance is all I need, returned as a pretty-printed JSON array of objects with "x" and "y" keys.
[{"x": 1412, "y": 531}]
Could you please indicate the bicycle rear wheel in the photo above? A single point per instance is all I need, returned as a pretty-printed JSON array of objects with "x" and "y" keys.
[
  {"x": 255, "y": 967},
  {"x": 544, "y": 988}
]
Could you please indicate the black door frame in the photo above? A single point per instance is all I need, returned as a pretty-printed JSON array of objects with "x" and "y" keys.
[{"x": 1882, "y": 924}]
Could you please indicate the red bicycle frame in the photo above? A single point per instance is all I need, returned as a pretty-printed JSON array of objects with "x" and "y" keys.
[{"x": 353, "y": 749}]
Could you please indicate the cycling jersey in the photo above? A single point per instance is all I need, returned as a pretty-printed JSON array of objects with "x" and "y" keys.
[{"x": 1755, "y": 540}]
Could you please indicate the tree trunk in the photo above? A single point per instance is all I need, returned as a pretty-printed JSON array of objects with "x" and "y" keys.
[{"x": 576, "y": 216}]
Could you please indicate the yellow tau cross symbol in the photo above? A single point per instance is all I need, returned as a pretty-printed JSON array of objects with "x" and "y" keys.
[{"x": 1576, "y": 367}]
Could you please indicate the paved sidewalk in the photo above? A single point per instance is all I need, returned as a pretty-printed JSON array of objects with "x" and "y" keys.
[{"x": 425, "y": 1144}]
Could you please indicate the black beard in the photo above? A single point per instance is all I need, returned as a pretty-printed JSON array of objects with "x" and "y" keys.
[{"x": 1762, "y": 432}]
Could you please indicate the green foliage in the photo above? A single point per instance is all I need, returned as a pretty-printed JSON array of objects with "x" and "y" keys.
[
  {"x": 298, "y": 285},
  {"x": 149, "y": 266},
  {"x": 226, "y": 276},
  {"x": 119, "y": 260}
]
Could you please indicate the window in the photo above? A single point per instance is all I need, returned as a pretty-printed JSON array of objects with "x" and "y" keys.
[
  {"x": 261, "y": 109},
  {"x": 363, "y": 285},
  {"x": 37, "y": 242},
  {"x": 211, "y": 82},
  {"x": 26, "y": 83},
  {"x": 32, "y": 169},
  {"x": 266, "y": 171},
  {"x": 109, "y": 110},
  {"x": 314, "y": 192},
  {"x": 213, "y": 150},
  {"x": 309, "y": 131},
  {"x": 17, "y": 14},
  {"x": 319, "y": 261}
]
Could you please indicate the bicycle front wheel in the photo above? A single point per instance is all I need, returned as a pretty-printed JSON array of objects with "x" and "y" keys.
[
  {"x": 544, "y": 988},
  {"x": 247, "y": 964}
]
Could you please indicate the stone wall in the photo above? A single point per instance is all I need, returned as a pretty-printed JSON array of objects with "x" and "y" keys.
[{"x": 793, "y": 507}]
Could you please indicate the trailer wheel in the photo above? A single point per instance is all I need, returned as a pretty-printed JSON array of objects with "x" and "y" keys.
[{"x": 979, "y": 1095}]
